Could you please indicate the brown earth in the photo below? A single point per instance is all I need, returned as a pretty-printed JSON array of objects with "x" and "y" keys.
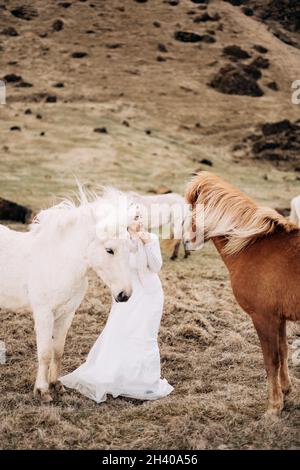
[{"x": 98, "y": 65}]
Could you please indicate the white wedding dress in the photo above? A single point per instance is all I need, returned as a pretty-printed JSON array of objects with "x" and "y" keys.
[{"x": 125, "y": 359}]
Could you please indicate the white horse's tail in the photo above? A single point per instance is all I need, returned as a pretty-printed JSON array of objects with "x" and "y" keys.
[{"x": 295, "y": 210}]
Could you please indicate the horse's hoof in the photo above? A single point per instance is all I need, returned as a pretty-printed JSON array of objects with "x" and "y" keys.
[
  {"x": 42, "y": 395},
  {"x": 271, "y": 416},
  {"x": 59, "y": 388},
  {"x": 287, "y": 390},
  {"x": 173, "y": 258}
]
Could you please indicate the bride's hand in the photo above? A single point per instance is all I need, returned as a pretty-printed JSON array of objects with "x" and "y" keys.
[
  {"x": 137, "y": 230},
  {"x": 144, "y": 236}
]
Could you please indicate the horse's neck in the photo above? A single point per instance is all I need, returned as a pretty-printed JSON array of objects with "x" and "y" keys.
[
  {"x": 80, "y": 234},
  {"x": 220, "y": 243}
]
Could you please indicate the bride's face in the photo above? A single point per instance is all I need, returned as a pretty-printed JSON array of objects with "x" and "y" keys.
[{"x": 137, "y": 224}]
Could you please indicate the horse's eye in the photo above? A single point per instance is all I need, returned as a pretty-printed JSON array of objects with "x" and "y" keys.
[{"x": 110, "y": 251}]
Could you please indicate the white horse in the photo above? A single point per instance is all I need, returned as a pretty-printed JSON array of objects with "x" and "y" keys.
[
  {"x": 160, "y": 210},
  {"x": 46, "y": 270},
  {"x": 295, "y": 210}
]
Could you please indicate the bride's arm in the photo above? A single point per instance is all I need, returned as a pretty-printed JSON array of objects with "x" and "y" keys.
[{"x": 152, "y": 249}]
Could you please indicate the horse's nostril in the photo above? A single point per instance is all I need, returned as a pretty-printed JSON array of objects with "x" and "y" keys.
[{"x": 122, "y": 297}]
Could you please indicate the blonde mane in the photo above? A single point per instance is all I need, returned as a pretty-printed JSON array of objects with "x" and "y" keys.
[{"x": 230, "y": 213}]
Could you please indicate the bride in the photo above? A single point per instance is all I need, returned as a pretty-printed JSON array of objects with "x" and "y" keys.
[{"x": 125, "y": 358}]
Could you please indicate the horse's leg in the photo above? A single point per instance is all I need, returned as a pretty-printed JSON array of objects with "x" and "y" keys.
[
  {"x": 283, "y": 349},
  {"x": 186, "y": 252},
  {"x": 268, "y": 333},
  {"x": 43, "y": 321},
  {"x": 175, "y": 251},
  {"x": 60, "y": 330}
]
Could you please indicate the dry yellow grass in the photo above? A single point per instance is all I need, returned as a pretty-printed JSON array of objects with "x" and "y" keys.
[{"x": 209, "y": 349}]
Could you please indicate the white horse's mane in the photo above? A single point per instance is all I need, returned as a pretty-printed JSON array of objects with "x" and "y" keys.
[{"x": 85, "y": 202}]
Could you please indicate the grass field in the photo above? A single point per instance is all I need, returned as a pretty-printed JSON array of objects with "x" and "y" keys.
[{"x": 209, "y": 350}]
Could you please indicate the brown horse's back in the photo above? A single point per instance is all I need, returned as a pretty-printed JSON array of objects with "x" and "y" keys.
[{"x": 265, "y": 276}]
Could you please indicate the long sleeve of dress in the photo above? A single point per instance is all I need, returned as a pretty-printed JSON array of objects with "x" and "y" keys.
[{"x": 154, "y": 258}]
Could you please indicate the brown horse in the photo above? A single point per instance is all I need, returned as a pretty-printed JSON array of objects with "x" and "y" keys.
[{"x": 261, "y": 250}]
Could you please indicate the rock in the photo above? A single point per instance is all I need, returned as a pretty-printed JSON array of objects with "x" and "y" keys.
[
  {"x": 236, "y": 52},
  {"x": 25, "y": 13},
  {"x": 208, "y": 38},
  {"x": 16, "y": 128},
  {"x": 237, "y": 80},
  {"x": 185, "y": 36},
  {"x": 278, "y": 127},
  {"x": 28, "y": 111},
  {"x": 58, "y": 85},
  {"x": 65, "y": 4},
  {"x": 277, "y": 14},
  {"x": 58, "y": 25},
  {"x": 285, "y": 38},
  {"x": 126, "y": 123},
  {"x": 248, "y": 11},
  {"x": 163, "y": 190},
  {"x": 159, "y": 58},
  {"x": 114, "y": 45},
  {"x": 235, "y": 3},
  {"x": 161, "y": 47},
  {"x": 200, "y": 2},
  {"x": 261, "y": 146},
  {"x": 79, "y": 55},
  {"x": 260, "y": 49},
  {"x": 261, "y": 62},
  {"x": 14, "y": 212},
  {"x": 39, "y": 116},
  {"x": 277, "y": 143},
  {"x": 173, "y": 3},
  {"x": 206, "y": 17},
  {"x": 141, "y": 1},
  {"x": 273, "y": 86},
  {"x": 206, "y": 161},
  {"x": 101, "y": 130},
  {"x": 156, "y": 24},
  {"x": 24, "y": 85},
  {"x": 12, "y": 78},
  {"x": 10, "y": 31},
  {"x": 51, "y": 99},
  {"x": 17, "y": 80},
  {"x": 250, "y": 69},
  {"x": 148, "y": 132}
]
